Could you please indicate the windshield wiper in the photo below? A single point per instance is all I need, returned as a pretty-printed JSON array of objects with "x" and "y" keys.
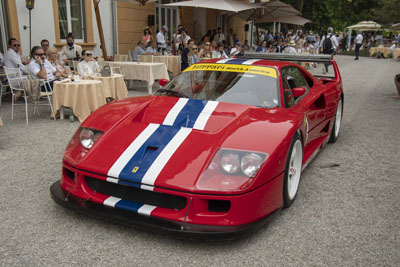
[{"x": 168, "y": 91}]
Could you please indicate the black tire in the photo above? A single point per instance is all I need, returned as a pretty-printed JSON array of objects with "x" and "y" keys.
[
  {"x": 334, "y": 135},
  {"x": 288, "y": 195}
]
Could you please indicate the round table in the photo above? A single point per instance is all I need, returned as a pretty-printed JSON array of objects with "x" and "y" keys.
[
  {"x": 83, "y": 97},
  {"x": 114, "y": 86}
]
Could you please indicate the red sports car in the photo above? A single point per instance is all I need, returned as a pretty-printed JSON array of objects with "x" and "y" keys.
[{"x": 214, "y": 151}]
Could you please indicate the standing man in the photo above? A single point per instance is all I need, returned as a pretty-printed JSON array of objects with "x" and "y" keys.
[
  {"x": 220, "y": 36},
  {"x": 329, "y": 46},
  {"x": 358, "y": 41},
  {"x": 162, "y": 39},
  {"x": 12, "y": 59},
  {"x": 185, "y": 55},
  {"x": 70, "y": 50}
]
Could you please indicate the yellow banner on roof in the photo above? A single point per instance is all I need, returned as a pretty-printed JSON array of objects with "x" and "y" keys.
[{"x": 267, "y": 71}]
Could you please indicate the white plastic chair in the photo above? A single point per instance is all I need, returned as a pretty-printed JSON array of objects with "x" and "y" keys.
[
  {"x": 15, "y": 78},
  {"x": 145, "y": 58},
  {"x": 118, "y": 57},
  {"x": 48, "y": 94}
]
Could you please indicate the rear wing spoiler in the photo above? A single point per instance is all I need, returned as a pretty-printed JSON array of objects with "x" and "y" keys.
[
  {"x": 289, "y": 57},
  {"x": 297, "y": 58}
]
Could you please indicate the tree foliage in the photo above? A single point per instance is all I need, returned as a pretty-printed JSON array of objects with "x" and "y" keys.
[{"x": 342, "y": 13}]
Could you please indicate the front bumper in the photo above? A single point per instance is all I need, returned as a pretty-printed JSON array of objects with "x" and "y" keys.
[{"x": 179, "y": 229}]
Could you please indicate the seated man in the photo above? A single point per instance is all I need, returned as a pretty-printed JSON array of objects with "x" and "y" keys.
[
  {"x": 12, "y": 59},
  {"x": 152, "y": 48},
  {"x": 40, "y": 67},
  {"x": 219, "y": 53},
  {"x": 236, "y": 50},
  {"x": 139, "y": 50}
]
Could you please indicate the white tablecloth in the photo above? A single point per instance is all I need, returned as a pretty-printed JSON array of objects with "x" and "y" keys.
[{"x": 145, "y": 71}]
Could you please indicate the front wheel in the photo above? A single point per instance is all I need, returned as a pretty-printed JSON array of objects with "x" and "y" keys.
[
  {"x": 292, "y": 171},
  {"x": 337, "y": 122}
]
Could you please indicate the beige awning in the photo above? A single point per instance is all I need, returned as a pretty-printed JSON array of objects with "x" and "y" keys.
[
  {"x": 395, "y": 27},
  {"x": 138, "y": 2},
  {"x": 366, "y": 26},
  {"x": 296, "y": 20},
  {"x": 273, "y": 9},
  {"x": 226, "y": 5}
]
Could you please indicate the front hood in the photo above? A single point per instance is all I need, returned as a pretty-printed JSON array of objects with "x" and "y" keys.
[{"x": 168, "y": 141}]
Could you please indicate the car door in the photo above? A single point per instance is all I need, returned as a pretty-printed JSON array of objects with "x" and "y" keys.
[{"x": 312, "y": 103}]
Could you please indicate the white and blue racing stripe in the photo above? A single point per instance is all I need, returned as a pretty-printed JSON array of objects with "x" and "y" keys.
[
  {"x": 238, "y": 61},
  {"x": 142, "y": 209},
  {"x": 147, "y": 155}
]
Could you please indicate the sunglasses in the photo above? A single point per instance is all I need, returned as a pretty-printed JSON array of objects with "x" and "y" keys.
[
  {"x": 45, "y": 44},
  {"x": 88, "y": 55},
  {"x": 16, "y": 45},
  {"x": 194, "y": 49},
  {"x": 41, "y": 55},
  {"x": 207, "y": 44}
]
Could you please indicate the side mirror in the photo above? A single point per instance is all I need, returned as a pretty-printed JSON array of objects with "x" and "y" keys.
[
  {"x": 298, "y": 91},
  {"x": 163, "y": 82}
]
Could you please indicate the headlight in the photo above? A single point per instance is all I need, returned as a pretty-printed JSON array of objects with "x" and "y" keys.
[
  {"x": 250, "y": 164},
  {"x": 88, "y": 137},
  {"x": 230, "y": 162},
  {"x": 231, "y": 170}
]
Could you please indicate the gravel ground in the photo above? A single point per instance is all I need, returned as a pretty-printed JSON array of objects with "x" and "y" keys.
[{"x": 343, "y": 216}]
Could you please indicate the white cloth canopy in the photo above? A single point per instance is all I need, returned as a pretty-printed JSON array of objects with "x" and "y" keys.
[
  {"x": 273, "y": 9},
  {"x": 366, "y": 26},
  {"x": 138, "y": 2},
  {"x": 296, "y": 20},
  {"x": 395, "y": 27},
  {"x": 226, "y": 5}
]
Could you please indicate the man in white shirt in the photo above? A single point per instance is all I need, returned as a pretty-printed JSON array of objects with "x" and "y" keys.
[
  {"x": 393, "y": 48},
  {"x": 151, "y": 49},
  {"x": 12, "y": 59},
  {"x": 358, "y": 41},
  {"x": 219, "y": 52},
  {"x": 220, "y": 36},
  {"x": 291, "y": 48},
  {"x": 41, "y": 68},
  {"x": 237, "y": 49},
  {"x": 329, "y": 46},
  {"x": 162, "y": 39},
  {"x": 70, "y": 50}
]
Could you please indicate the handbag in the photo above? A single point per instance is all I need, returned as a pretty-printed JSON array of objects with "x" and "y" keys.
[{"x": 105, "y": 71}]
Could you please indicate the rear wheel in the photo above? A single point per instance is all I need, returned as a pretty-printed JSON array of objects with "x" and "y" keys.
[
  {"x": 292, "y": 173},
  {"x": 337, "y": 122}
]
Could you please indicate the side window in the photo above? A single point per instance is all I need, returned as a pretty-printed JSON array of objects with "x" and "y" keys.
[
  {"x": 287, "y": 93},
  {"x": 294, "y": 78}
]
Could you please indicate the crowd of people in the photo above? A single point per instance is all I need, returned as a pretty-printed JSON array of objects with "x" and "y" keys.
[
  {"x": 47, "y": 63},
  {"x": 214, "y": 44}
]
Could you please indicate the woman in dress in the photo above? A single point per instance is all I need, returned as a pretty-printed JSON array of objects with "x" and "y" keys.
[{"x": 147, "y": 37}]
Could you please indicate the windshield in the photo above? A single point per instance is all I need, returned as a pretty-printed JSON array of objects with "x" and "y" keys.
[{"x": 249, "y": 85}]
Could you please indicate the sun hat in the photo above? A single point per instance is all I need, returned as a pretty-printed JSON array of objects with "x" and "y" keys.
[
  {"x": 292, "y": 43},
  {"x": 165, "y": 28}
]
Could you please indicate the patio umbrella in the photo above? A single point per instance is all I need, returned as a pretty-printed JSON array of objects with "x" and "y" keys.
[
  {"x": 296, "y": 20},
  {"x": 138, "y": 2},
  {"x": 226, "y": 5},
  {"x": 365, "y": 26},
  {"x": 270, "y": 11},
  {"x": 395, "y": 27}
]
